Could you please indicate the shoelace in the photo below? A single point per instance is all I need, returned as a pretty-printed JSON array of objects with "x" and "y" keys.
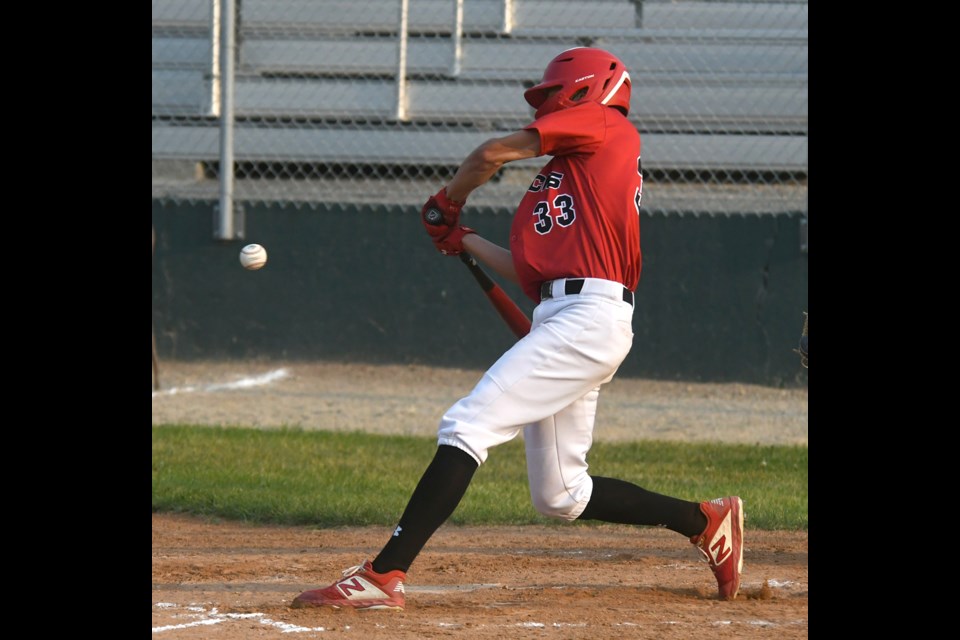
[
  {"x": 705, "y": 557},
  {"x": 352, "y": 570}
]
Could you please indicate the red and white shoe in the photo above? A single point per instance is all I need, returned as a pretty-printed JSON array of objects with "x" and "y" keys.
[
  {"x": 721, "y": 543},
  {"x": 360, "y": 588}
]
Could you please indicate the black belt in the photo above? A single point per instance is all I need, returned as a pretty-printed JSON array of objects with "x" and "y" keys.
[{"x": 574, "y": 286}]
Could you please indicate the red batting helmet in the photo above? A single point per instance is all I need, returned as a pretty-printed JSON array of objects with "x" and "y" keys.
[{"x": 602, "y": 74}]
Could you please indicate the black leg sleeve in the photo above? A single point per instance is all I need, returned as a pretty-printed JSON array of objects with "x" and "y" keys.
[
  {"x": 433, "y": 501},
  {"x": 625, "y": 503}
]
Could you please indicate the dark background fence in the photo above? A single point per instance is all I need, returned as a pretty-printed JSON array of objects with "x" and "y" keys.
[{"x": 720, "y": 299}]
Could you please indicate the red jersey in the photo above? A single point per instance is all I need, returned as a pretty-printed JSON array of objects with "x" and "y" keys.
[{"x": 581, "y": 215}]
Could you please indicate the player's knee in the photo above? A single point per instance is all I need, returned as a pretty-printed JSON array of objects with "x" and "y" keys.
[{"x": 560, "y": 505}]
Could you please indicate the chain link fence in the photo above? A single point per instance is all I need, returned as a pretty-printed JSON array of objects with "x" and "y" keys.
[{"x": 319, "y": 102}]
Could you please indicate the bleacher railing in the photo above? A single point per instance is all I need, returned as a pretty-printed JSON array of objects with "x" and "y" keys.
[{"x": 377, "y": 101}]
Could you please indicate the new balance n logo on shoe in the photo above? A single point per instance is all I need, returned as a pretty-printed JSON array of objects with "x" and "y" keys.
[
  {"x": 352, "y": 585},
  {"x": 719, "y": 546}
]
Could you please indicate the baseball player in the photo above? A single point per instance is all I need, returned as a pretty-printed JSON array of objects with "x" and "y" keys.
[{"x": 575, "y": 250}]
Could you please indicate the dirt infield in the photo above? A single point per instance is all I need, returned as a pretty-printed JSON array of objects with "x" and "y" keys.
[{"x": 229, "y": 581}]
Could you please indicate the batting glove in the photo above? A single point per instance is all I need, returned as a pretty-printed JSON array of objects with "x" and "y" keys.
[
  {"x": 449, "y": 209},
  {"x": 451, "y": 244}
]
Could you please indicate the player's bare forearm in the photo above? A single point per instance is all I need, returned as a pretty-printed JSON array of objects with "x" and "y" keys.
[
  {"x": 492, "y": 255},
  {"x": 476, "y": 169},
  {"x": 484, "y": 161}
]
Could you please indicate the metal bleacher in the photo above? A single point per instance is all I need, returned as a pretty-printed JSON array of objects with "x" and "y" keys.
[{"x": 715, "y": 89}]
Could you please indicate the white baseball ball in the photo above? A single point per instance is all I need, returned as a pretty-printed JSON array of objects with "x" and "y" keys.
[{"x": 253, "y": 256}]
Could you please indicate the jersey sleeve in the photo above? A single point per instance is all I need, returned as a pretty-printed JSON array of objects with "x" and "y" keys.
[{"x": 578, "y": 129}]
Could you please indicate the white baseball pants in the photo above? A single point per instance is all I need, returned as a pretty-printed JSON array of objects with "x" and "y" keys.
[{"x": 548, "y": 384}]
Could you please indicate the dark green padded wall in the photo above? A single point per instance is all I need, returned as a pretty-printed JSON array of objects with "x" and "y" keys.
[{"x": 720, "y": 299}]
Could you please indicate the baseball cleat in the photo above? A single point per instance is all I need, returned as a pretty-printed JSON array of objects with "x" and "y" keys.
[
  {"x": 721, "y": 543},
  {"x": 360, "y": 588}
]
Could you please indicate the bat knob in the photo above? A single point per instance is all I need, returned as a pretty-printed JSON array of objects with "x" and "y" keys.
[{"x": 433, "y": 216}]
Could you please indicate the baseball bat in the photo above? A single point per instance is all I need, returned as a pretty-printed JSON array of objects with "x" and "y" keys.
[
  {"x": 516, "y": 319},
  {"x": 505, "y": 307}
]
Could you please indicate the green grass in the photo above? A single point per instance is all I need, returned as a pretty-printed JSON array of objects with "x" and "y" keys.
[{"x": 326, "y": 479}]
